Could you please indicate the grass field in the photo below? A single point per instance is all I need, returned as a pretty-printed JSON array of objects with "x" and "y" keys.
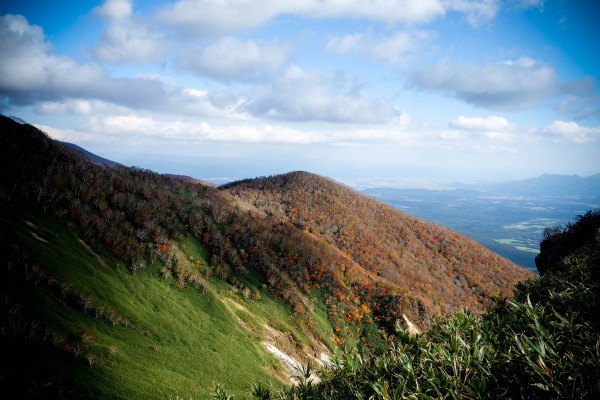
[{"x": 138, "y": 336}]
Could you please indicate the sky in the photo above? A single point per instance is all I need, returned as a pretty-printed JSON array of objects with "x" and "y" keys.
[{"x": 433, "y": 90}]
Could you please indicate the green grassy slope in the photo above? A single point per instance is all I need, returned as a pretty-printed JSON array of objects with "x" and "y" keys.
[
  {"x": 122, "y": 283},
  {"x": 174, "y": 341}
]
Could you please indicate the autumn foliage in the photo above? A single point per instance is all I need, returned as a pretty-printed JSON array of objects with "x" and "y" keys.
[
  {"x": 397, "y": 261},
  {"x": 309, "y": 238}
]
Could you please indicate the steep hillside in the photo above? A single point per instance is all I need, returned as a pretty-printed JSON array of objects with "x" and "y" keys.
[
  {"x": 543, "y": 344},
  {"x": 437, "y": 266},
  {"x": 123, "y": 283},
  {"x": 78, "y": 324},
  {"x": 93, "y": 157}
]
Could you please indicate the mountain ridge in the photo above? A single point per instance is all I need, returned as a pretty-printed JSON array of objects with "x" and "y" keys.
[
  {"x": 196, "y": 245},
  {"x": 560, "y": 184},
  {"x": 542, "y": 185},
  {"x": 93, "y": 157},
  {"x": 354, "y": 223}
]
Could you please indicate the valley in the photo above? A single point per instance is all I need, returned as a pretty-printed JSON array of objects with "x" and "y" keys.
[{"x": 509, "y": 224}]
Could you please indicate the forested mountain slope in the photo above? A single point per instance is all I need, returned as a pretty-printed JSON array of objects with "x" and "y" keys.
[
  {"x": 542, "y": 344},
  {"x": 124, "y": 283},
  {"x": 440, "y": 267}
]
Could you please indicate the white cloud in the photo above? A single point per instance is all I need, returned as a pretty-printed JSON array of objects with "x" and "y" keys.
[
  {"x": 29, "y": 71},
  {"x": 128, "y": 42},
  {"x": 385, "y": 47},
  {"x": 148, "y": 128},
  {"x": 142, "y": 127},
  {"x": 527, "y": 4},
  {"x": 311, "y": 95},
  {"x": 346, "y": 44},
  {"x": 585, "y": 102},
  {"x": 115, "y": 9},
  {"x": 261, "y": 133},
  {"x": 494, "y": 150},
  {"x": 454, "y": 135},
  {"x": 209, "y": 17},
  {"x": 72, "y": 136},
  {"x": 133, "y": 124},
  {"x": 493, "y": 128},
  {"x": 506, "y": 85},
  {"x": 231, "y": 59},
  {"x": 492, "y": 123},
  {"x": 502, "y": 136},
  {"x": 387, "y": 11},
  {"x": 573, "y": 131},
  {"x": 126, "y": 38},
  {"x": 476, "y": 11},
  {"x": 31, "y": 74},
  {"x": 77, "y": 107},
  {"x": 394, "y": 132}
]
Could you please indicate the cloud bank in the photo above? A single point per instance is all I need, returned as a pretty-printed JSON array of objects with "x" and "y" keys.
[
  {"x": 127, "y": 39},
  {"x": 304, "y": 95},
  {"x": 521, "y": 83},
  {"x": 573, "y": 132},
  {"x": 323, "y": 74},
  {"x": 231, "y": 59}
]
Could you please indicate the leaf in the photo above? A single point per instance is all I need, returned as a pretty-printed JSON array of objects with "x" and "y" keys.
[{"x": 541, "y": 386}]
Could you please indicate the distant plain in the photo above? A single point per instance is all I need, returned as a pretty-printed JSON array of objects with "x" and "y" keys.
[{"x": 510, "y": 225}]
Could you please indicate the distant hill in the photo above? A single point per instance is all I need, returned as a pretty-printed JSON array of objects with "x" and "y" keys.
[
  {"x": 124, "y": 283},
  {"x": 433, "y": 266},
  {"x": 190, "y": 179},
  {"x": 93, "y": 157},
  {"x": 544, "y": 185}
]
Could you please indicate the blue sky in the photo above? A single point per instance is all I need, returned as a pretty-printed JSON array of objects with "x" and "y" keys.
[{"x": 439, "y": 90}]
